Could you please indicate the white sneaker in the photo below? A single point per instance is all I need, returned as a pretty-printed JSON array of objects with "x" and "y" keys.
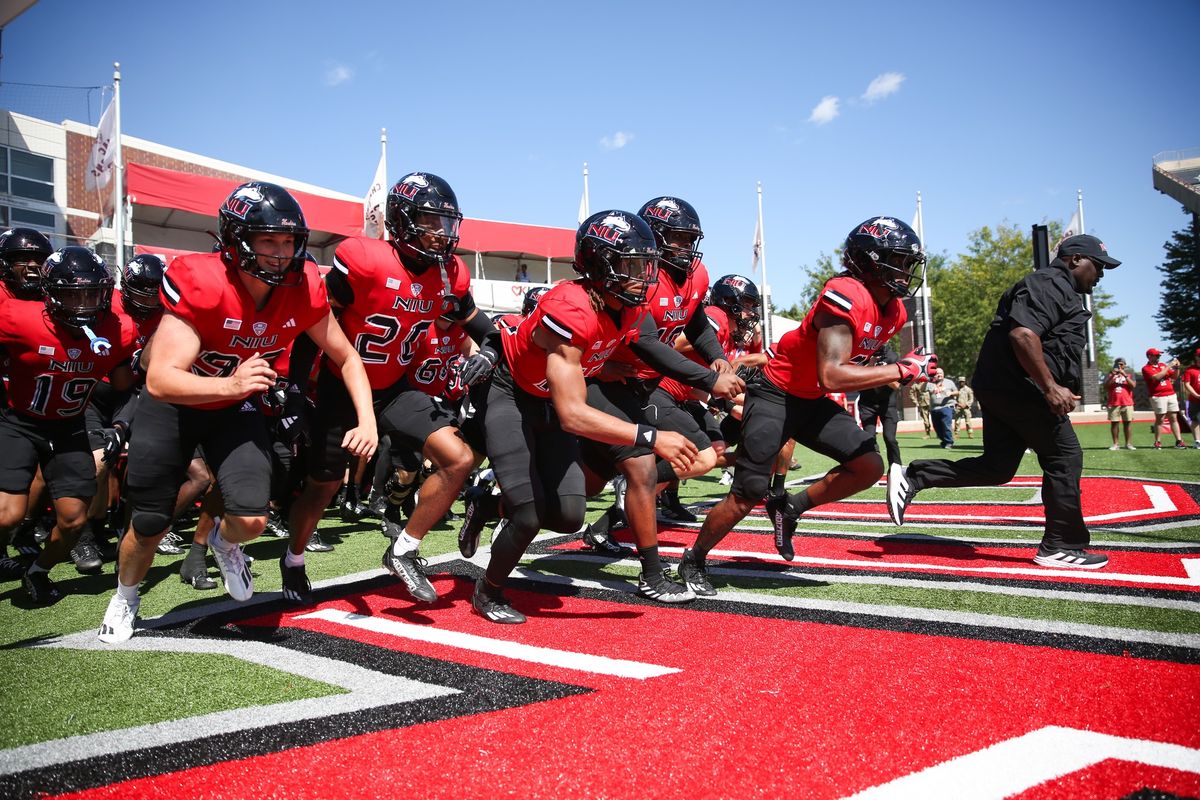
[
  {"x": 726, "y": 478},
  {"x": 119, "y": 620},
  {"x": 899, "y": 492},
  {"x": 235, "y": 572},
  {"x": 1131, "y": 447},
  {"x": 1115, "y": 447}
]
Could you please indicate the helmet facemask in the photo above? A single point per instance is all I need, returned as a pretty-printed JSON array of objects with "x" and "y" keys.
[
  {"x": 286, "y": 270},
  {"x": 427, "y": 236},
  {"x": 77, "y": 306}
]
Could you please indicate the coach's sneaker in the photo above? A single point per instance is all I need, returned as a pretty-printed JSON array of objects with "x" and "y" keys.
[
  {"x": 40, "y": 589},
  {"x": 657, "y": 586},
  {"x": 900, "y": 492},
  {"x": 783, "y": 519},
  {"x": 493, "y": 606},
  {"x": 481, "y": 507},
  {"x": 119, "y": 620},
  {"x": 693, "y": 575},
  {"x": 672, "y": 510},
  {"x": 235, "y": 572},
  {"x": 409, "y": 568},
  {"x": 1072, "y": 559},
  {"x": 169, "y": 545},
  {"x": 86, "y": 555},
  {"x": 296, "y": 588}
]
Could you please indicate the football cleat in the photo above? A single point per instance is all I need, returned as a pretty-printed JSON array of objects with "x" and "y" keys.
[
  {"x": 481, "y": 507},
  {"x": 86, "y": 555},
  {"x": 409, "y": 568},
  {"x": 900, "y": 492},
  {"x": 296, "y": 587},
  {"x": 597, "y": 539},
  {"x": 494, "y": 608},
  {"x": 674, "y": 511},
  {"x": 693, "y": 575},
  {"x": 41, "y": 590},
  {"x": 119, "y": 620},
  {"x": 194, "y": 572},
  {"x": 235, "y": 572},
  {"x": 1071, "y": 559},
  {"x": 11, "y": 569},
  {"x": 169, "y": 545},
  {"x": 783, "y": 519},
  {"x": 318, "y": 545},
  {"x": 658, "y": 586}
]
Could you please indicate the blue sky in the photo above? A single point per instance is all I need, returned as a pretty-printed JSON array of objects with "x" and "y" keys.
[{"x": 995, "y": 112}]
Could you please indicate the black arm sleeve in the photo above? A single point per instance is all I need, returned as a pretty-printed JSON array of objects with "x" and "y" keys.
[
  {"x": 478, "y": 327},
  {"x": 338, "y": 287},
  {"x": 465, "y": 305},
  {"x": 124, "y": 408},
  {"x": 669, "y": 361},
  {"x": 304, "y": 353},
  {"x": 700, "y": 333}
]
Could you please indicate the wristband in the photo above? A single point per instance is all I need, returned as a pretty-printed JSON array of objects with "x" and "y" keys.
[{"x": 645, "y": 436}]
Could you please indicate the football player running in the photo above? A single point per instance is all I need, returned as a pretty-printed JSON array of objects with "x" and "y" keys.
[
  {"x": 57, "y": 350},
  {"x": 389, "y": 294},
  {"x": 227, "y": 316},
  {"x": 855, "y": 315}
]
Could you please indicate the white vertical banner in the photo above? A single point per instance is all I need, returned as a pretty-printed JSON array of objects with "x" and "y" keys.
[
  {"x": 924, "y": 293},
  {"x": 757, "y": 249},
  {"x": 100, "y": 160},
  {"x": 760, "y": 257},
  {"x": 376, "y": 199},
  {"x": 584, "y": 204}
]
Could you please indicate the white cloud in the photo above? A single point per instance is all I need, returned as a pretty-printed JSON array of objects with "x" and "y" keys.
[
  {"x": 616, "y": 141},
  {"x": 883, "y": 85},
  {"x": 338, "y": 73},
  {"x": 825, "y": 111}
]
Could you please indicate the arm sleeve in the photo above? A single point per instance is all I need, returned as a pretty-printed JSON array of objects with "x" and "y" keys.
[
  {"x": 669, "y": 361},
  {"x": 479, "y": 326},
  {"x": 703, "y": 337},
  {"x": 125, "y": 407},
  {"x": 304, "y": 353},
  {"x": 466, "y": 304}
]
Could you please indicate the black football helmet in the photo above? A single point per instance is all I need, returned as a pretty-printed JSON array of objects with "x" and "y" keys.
[
  {"x": 258, "y": 207},
  {"x": 77, "y": 285},
  {"x": 676, "y": 227},
  {"x": 531, "y": 299},
  {"x": 738, "y": 297},
  {"x": 422, "y": 218},
  {"x": 886, "y": 251},
  {"x": 616, "y": 252},
  {"x": 140, "y": 281},
  {"x": 22, "y": 253}
]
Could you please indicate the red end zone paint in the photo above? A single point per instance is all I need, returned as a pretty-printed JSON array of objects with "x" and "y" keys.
[{"x": 761, "y": 708}]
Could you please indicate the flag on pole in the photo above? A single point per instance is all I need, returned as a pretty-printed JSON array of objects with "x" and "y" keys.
[
  {"x": 373, "y": 205},
  {"x": 584, "y": 211},
  {"x": 758, "y": 243},
  {"x": 1073, "y": 228},
  {"x": 100, "y": 163}
]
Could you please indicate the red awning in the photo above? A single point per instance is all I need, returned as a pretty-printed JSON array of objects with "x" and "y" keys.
[{"x": 199, "y": 194}]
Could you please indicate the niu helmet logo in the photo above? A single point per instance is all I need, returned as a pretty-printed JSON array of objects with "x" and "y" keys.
[
  {"x": 664, "y": 209},
  {"x": 412, "y": 184},
  {"x": 610, "y": 229},
  {"x": 242, "y": 201}
]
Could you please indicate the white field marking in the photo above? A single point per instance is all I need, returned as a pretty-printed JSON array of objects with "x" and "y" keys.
[
  {"x": 366, "y": 689},
  {"x": 918, "y": 583},
  {"x": 566, "y": 659},
  {"x": 1016, "y": 765},
  {"x": 969, "y": 618},
  {"x": 1041, "y": 572},
  {"x": 1192, "y": 567}
]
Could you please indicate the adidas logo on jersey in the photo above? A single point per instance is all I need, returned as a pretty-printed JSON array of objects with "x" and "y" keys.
[
  {"x": 291, "y": 323},
  {"x": 246, "y": 406}
]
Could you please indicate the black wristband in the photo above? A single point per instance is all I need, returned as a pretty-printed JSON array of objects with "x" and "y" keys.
[{"x": 645, "y": 436}]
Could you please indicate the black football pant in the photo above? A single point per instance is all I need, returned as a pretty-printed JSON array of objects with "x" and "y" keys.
[{"x": 1012, "y": 423}]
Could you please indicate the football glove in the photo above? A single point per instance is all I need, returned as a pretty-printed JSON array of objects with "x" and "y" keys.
[
  {"x": 114, "y": 442},
  {"x": 916, "y": 366},
  {"x": 478, "y": 367}
]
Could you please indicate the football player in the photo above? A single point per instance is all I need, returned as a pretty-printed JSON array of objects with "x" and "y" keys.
[
  {"x": 856, "y": 314},
  {"x": 57, "y": 351},
  {"x": 389, "y": 293},
  {"x": 537, "y": 404},
  {"x": 22, "y": 253},
  {"x": 227, "y": 316},
  {"x": 624, "y": 387}
]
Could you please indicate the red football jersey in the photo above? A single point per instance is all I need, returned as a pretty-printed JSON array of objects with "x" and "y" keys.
[
  {"x": 51, "y": 367},
  {"x": 671, "y": 306},
  {"x": 436, "y": 364},
  {"x": 566, "y": 311},
  {"x": 392, "y": 308},
  {"x": 145, "y": 326},
  {"x": 209, "y": 296},
  {"x": 792, "y": 364},
  {"x": 1159, "y": 387},
  {"x": 719, "y": 321}
]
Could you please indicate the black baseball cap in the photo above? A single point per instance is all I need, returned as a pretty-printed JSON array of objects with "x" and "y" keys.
[{"x": 1089, "y": 246}]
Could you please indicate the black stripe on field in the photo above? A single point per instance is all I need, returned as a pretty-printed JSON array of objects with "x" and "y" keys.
[{"x": 481, "y": 690}]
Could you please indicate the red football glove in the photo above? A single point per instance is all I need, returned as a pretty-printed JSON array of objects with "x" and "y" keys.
[{"x": 916, "y": 366}]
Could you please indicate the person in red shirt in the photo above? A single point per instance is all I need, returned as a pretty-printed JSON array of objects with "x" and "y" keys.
[
  {"x": 1191, "y": 387},
  {"x": 1160, "y": 384},
  {"x": 854, "y": 316},
  {"x": 535, "y": 408},
  {"x": 227, "y": 317},
  {"x": 57, "y": 351},
  {"x": 1119, "y": 384}
]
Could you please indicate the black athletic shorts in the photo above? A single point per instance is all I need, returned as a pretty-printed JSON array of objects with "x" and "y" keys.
[
  {"x": 532, "y": 456},
  {"x": 236, "y": 446},
  {"x": 772, "y": 417},
  {"x": 407, "y": 415},
  {"x": 691, "y": 419},
  {"x": 61, "y": 448},
  {"x": 625, "y": 400}
]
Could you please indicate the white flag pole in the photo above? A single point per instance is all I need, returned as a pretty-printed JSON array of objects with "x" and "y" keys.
[
  {"x": 118, "y": 202},
  {"x": 1087, "y": 298},
  {"x": 383, "y": 160},
  {"x": 926, "y": 321},
  {"x": 762, "y": 257}
]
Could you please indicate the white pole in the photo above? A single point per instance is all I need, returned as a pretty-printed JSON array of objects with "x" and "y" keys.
[
  {"x": 762, "y": 257},
  {"x": 587, "y": 200},
  {"x": 548, "y": 279},
  {"x": 118, "y": 199},
  {"x": 926, "y": 316},
  {"x": 383, "y": 152},
  {"x": 1087, "y": 298}
]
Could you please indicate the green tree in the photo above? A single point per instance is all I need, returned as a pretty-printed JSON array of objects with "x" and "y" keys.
[
  {"x": 965, "y": 292},
  {"x": 1179, "y": 313}
]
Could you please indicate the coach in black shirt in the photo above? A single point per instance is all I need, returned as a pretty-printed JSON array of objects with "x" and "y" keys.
[{"x": 1026, "y": 382}]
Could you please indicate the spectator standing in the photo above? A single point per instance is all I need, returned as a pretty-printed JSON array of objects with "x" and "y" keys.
[
  {"x": 1119, "y": 385},
  {"x": 1160, "y": 384},
  {"x": 942, "y": 392},
  {"x": 918, "y": 393},
  {"x": 1191, "y": 389},
  {"x": 522, "y": 275},
  {"x": 962, "y": 408}
]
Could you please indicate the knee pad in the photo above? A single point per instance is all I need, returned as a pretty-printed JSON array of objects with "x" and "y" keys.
[
  {"x": 524, "y": 522},
  {"x": 149, "y": 524},
  {"x": 752, "y": 487}
]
